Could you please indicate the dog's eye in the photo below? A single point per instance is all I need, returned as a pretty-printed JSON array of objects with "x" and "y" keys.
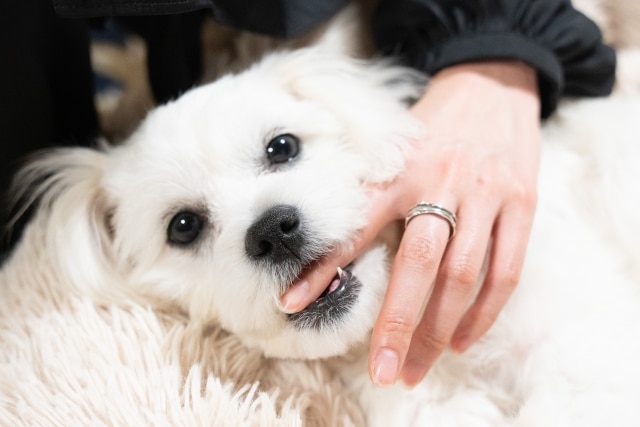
[
  {"x": 184, "y": 228},
  {"x": 283, "y": 148}
]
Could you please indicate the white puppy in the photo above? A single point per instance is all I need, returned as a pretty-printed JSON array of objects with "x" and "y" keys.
[{"x": 222, "y": 198}]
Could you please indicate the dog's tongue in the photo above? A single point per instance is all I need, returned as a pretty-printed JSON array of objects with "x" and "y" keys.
[{"x": 334, "y": 284}]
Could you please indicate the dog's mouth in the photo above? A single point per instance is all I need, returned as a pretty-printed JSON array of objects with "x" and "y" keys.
[
  {"x": 336, "y": 300},
  {"x": 337, "y": 282}
]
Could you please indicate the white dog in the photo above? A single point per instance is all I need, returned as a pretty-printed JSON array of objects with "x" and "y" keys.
[{"x": 221, "y": 198}]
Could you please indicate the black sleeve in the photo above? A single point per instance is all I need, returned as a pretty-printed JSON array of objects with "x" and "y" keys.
[{"x": 562, "y": 44}]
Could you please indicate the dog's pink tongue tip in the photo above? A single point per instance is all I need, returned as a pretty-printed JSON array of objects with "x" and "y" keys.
[
  {"x": 334, "y": 285},
  {"x": 336, "y": 281}
]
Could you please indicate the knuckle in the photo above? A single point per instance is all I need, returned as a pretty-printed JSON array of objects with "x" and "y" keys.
[
  {"x": 487, "y": 180},
  {"x": 510, "y": 278},
  {"x": 432, "y": 339},
  {"x": 462, "y": 273},
  {"x": 501, "y": 286},
  {"x": 397, "y": 325},
  {"x": 506, "y": 274},
  {"x": 525, "y": 195},
  {"x": 421, "y": 250}
]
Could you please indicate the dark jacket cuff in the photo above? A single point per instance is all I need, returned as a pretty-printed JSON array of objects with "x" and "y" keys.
[{"x": 563, "y": 45}]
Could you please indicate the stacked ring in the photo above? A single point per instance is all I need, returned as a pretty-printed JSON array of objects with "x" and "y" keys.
[{"x": 424, "y": 208}]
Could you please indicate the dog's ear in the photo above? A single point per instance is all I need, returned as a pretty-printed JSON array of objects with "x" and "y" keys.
[
  {"x": 70, "y": 224},
  {"x": 345, "y": 34}
]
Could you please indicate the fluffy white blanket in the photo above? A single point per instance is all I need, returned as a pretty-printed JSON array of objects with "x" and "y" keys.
[{"x": 68, "y": 361}]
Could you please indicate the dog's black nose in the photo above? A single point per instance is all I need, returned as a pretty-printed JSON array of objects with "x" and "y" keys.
[{"x": 276, "y": 235}]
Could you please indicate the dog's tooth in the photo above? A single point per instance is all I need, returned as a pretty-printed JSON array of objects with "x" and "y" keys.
[{"x": 340, "y": 273}]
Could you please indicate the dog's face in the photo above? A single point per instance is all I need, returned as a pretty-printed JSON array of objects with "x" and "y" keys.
[{"x": 222, "y": 198}]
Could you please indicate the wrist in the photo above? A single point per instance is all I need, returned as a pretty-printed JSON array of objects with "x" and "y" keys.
[
  {"x": 479, "y": 82},
  {"x": 511, "y": 73}
]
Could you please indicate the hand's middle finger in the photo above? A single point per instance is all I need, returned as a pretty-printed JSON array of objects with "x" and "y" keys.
[{"x": 414, "y": 269}]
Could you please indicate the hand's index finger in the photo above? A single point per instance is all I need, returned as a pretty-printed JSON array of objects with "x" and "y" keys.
[{"x": 314, "y": 279}]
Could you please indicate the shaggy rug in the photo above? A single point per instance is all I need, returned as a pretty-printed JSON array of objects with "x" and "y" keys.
[{"x": 69, "y": 361}]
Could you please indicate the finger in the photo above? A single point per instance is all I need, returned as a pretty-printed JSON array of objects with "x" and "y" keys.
[
  {"x": 313, "y": 281},
  {"x": 505, "y": 265},
  {"x": 455, "y": 285},
  {"x": 414, "y": 268}
]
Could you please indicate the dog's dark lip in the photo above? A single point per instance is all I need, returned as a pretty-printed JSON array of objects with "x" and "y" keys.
[
  {"x": 332, "y": 304},
  {"x": 337, "y": 284}
]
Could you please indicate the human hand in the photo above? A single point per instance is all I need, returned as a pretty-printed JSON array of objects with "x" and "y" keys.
[{"x": 481, "y": 156}]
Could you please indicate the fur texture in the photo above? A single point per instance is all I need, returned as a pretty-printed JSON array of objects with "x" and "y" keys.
[{"x": 138, "y": 296}]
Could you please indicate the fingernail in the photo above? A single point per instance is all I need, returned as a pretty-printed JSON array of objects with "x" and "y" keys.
[
  {"x": 385, "y": 369},
  {"x": 293, "y": 300}
]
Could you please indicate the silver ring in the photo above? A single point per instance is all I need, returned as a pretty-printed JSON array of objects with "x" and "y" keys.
[{"x": 424, "y": 208}]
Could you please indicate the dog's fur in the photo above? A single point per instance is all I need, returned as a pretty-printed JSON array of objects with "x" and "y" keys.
[{"x": 564, "y": 351}]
